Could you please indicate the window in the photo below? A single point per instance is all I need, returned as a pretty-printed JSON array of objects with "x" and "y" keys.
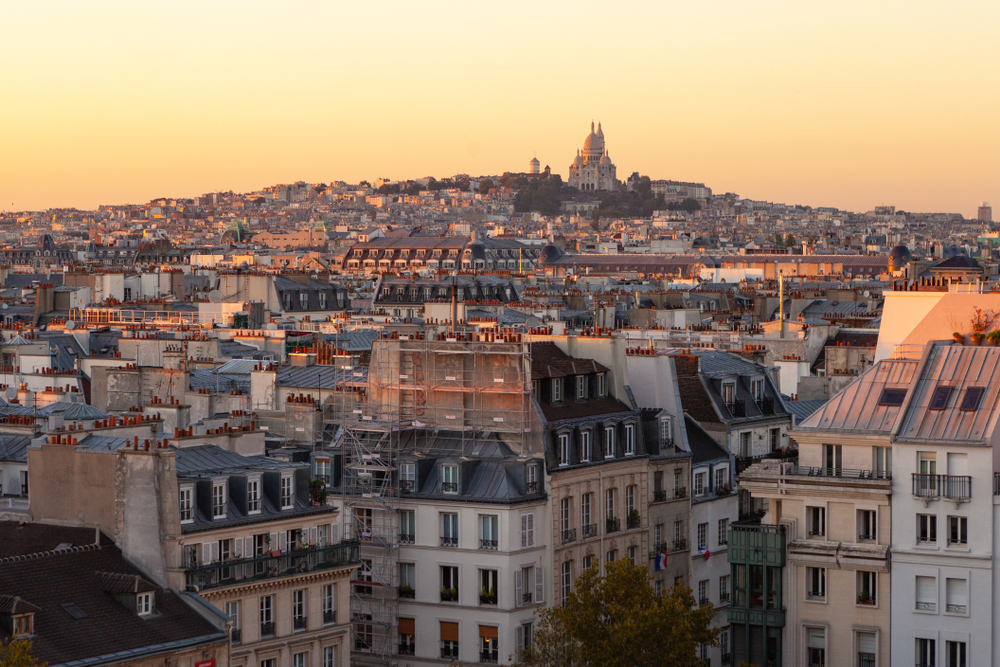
[
  {"x": 449, "y": 530},
  {"x": 449, "y": 583},
  {"x": 489, "y": 648},
  {"x": 407, "y": 477},
  {"x": 703, "y": 535},
  {"x": 329, "y": 656},
  {"x": 956, "y": 593},
  {"x": 586, "y": 452},
  {"x": 449, "y": 479},
  {"x": 585, "y": 502},
  {"x": 531, "y": 478},
  {"x": 757, "y": 389},
  {"x": 286, "y": 492},
  {"x": 629, "y": 440},
  {"x": 299, "y": 609},
  {"x": 926, "y": 528},
  {"x": 329, "y": 604},
  {"x": 266, "y": 615},
  {"x": 407, "y": 526},
  {"x": 720, "y": 478},
  {"x": 581, "y": 387},
  {"x": 926, "y": 594},
  {"x": 815, "y": 583},
  {"x": 816, "y": 647},
  {"x": 630, "y": 500},
  {"x": 723, "y": 532},
  {"x": 187, "y": 509},
  {"x": 588, "y": 561},
  {"x": 958, "y": 530},
  {"x": 564, "y": 516},
  {"x": 557, "y": 388},
  {"x": 612, "y": 556},
  {"x": 609, "y": 442},
  {"x": 523, "y": 635},
  {"x": 867, "y": 587},
  {"x": 567, "y": 579},
  {"x": 322, "y": 300},
  {"x": 488, "y": 586},
  {"x": 563, "y": 449},
  {"x": 144, "y": 604},
  {"x": 724, "y": 594},
  {"x": 775, "y": 439},
  {"x": 489, "y": 525},
  {"x": 323, "y": 470},
  {"x": 253, "y": 496},
  {"x": 631, "y": 553},
  {"x": 527, "y": 530},
  {"x": 926, "y": 652},
  {"x": 816, "y": 517},
  {"x": 304, "y": 300},
  {"x": 728, "y": 392},
  {"x": 601, "y": 385},
  {"x": 699, "y": 483},
  {"x": 528, "y": 585},
  {"x": 866, "y": 649},
  {"x": 407, "y": 580},
  {"x": 883, "y": 461},
  {"x": 609, "y": 503},
  {"x": 666, "y": 431},
  {"x": 892, "y": 397},
  {"x": 746, "y": 450},
  {"x": 954, "y": 654},
  {"x": 299, "y": 660},
  {"x": 270, "y": 662},
  {"x": 867, "y": 529},
  {"x": 703, "y": 592},
  {"x": 939, "y": 399},
  {"x": 219, "y": 500}
]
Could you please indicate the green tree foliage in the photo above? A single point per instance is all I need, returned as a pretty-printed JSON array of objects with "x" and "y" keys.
[
  {"x": 619, "y": 621},
  {"x": 640, "y": 202},
  {"x": 486, "y": 185},
  {"x": 17, "y": 653},
  {"x": 543, "y": 194}
]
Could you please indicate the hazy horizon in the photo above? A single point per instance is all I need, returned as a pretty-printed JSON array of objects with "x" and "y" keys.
[{"x": 850, "y": 105}]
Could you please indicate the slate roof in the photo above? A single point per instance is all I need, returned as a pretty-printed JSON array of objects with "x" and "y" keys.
[
  {"x": 548, "y": 361},
  {"x": 237, "y": 350},
  {"x": 207, "y": 378},
  {"x": 73, "y": 411},
  {"x": 14, "y": 448},
  {"x": 703, "y": 447},
  {"x": 352, "y": 341},
  {"x": 106, "y": 626},
  {"x": 319, "y": 376},
  {"x": 802, "y": 410},
  {"x": 17, "y": 539}
]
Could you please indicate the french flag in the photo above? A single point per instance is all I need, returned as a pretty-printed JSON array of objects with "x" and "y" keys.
[
  {"x": 705, "y": 551},
  {"x": 661, "y": 562}
]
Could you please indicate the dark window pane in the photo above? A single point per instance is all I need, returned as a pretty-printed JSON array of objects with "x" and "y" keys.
[{"x": 939, "y": 401}]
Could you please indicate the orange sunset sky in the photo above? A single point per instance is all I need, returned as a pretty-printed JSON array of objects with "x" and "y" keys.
[{"x": 847, "y": 104}]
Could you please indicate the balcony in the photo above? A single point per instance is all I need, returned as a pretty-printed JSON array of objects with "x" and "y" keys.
[
  {"x": 737, "y": 409},
  {"x": 531, "y": 487},
  {"x": 680, "y": 492},
  {"x": 449, "y": 487},
  {"x": 589, "y": 530},
  {"x": 236, "y": 635},
  {"x": 487, "y": 599},
  {"x": 866, "y": 660},
  {"x": 407, "y": 648},
  {"x": 449, "y": 541},
  {"x": 766, "y": 405},
  {"x": 526, "y": 598},
  {"x": 843, "y": 473},
  {"x": 449, "y": 650},
  {"x": 723, "y": 598},
  {"x": 659, "y": 496},
  {"x": 406, "y": 485},
  {"x": 299, "y": 623},
  {"x": 702, "y": 602},
  {"x": 680, "y": 545},
  {"x": 489, "y": 657},
  {"x": 406, "y": 538},
  {"x": 727, "y": 659},
  {"x": 489, "y": 545},
  {"x": 956, "y": 608},
  {"x": 569, "y": 536},
  {"x": 330, "y": 617},
  {"x": 612, "y": 524},
  {"x": 239, "y": 570},
  {"x": 633, "y": 520},
  {"x": 449, "y": 595},
  {"x": 866, "y": 599},
  {"x": 953, "y": 487},
  {"x": 267, "y": 630}
]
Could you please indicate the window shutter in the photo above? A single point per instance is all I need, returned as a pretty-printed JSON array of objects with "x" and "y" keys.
[
  {"x": 274, "y": 542},
  {"x": 408, "y": 626},
  {"x": 282, "y": 541},
  {"x": 248, "y": 548},
  {"x": 926, "y": 589},
  {"x": 524, "y": 530},
  {"x": 519, "y": 639},
  {"x": 206, "y": 553},
  {"x": 237, "y": 548},
  {"x": 215, "y": 552},
  {"x": 334, "y": 533},
  {"x": 539, "y": 585},
  {"x": 866, "y": 642},
  {"x": 449, "y": 631},
  {"x": 518, "y": 589},
  {"x": 817, "y": 638},
  {"x": 312, "y": 536},
  {"x": 531, "y": 530},
  {"x": 957, "y": 591}
]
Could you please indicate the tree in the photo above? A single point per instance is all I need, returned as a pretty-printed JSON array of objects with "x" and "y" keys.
[
  {"x": 17, "y": 653},
  {"x": 486, "y": 185},
  {"x": 619, "y": 621}
]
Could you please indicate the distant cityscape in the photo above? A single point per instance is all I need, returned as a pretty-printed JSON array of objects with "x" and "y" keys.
[{"x": 378, "y": 423}]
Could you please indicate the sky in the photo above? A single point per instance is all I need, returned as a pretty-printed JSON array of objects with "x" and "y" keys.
[{"x": 846, "y": 104}]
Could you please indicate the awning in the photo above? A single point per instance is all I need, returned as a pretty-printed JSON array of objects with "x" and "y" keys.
[{"x": 488, "y": 631}]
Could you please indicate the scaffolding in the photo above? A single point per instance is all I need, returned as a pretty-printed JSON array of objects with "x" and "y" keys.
[{"x": 474, "y": 387}]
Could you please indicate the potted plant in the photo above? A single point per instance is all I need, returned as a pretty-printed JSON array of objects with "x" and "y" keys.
[
  {"x": 267, "y": 546},
  {"x": 980, "y": 322},
  {"x": 864, "y": 598},
  {"x": 993, "y": 337},
  {"x": 317, "y": 491},
  {"x": 959, "y": 338}
]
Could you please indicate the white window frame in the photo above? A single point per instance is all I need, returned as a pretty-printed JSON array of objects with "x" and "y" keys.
[
  {"x": 629, "y": 439},
  {"x": 219, "y": 500},
  {"x": 602, "y": 386},
  {"x": 703, "y": 535},
  {"x": 816, "y": 583},
  {"x": 298, "y": 603},
  {"x": 233, "y": 611},
  {"x": 609, "y": 441},
  {"x": 449, "y": 475},
  {"x": 816, "y": 520},
  {"x": 610, "y": 502},
  {"x": 144, "y": 604},
  {"x": 253, "y": 496},
  {"x": 567, "y": 579},
  {"x": 186, "y": 498},
  {"x": 723, "y": 531},
  {"x": 563, "y": 439},
  {"x": 586, "y": 446},
  {"x": 581, "y": 387},
  {"x": 527, "y": 529},
  {"x": 557, "y": 390},
  {"x": 329, "y": 656},
  {"x": 700, "y": 479},
  {"x": 329, "y": 600},
  {"x": 287, "y": 492}
]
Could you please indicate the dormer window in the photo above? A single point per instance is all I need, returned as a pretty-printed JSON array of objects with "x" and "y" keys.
[
  {"x": 757, "y": 389},
  {"x": 602, "y": 388},
  {"x": 322, "y": 300},
  {"x": 609, "y": 442},
  {"x": 629, "y": 439},
  {"x": 564, "y": 449},
  {"x": 253, "y": 496},
  {"x": 219, "y": 500},
  {"x": 287, "y": 496},
  {"x": 557, "y": 387},
  {"x": 449, "y": 479},
  {"x": 531, "y": 478},
  {"x": 24, "y": 625},
  {"x": 728, "y": 392},
  {"x": 186, "y": 504},
  {"x": 304, "y": 300},
  {"x": 581, "y": 387},
  {"x": 144, "y": 604},
  {"x": 586, "y": 449}
]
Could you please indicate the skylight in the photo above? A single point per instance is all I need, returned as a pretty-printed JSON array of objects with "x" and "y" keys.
[
  {"x": 892, "y": 397},
  {"x": 973, "y": 395},
  {"x": 939, "y": 399}
]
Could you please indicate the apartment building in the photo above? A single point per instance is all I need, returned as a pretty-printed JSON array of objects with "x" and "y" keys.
[
  {"x": 835, "y": 514},
  {"x": 243, "y": 531}
]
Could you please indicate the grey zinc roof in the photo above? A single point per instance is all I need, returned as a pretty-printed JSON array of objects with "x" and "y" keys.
[
  {"x": 802, "y": 410},
  {"x": 237, "y": 366},
  {"x": 213, "y": 460},
  {"x": 856, "y": 407},
  {"x": 205, "y": 378},
  {"x": 959, "y": 367},
  {"x": 73, "y": 411},
  {"x": 14, "y": 448},
  {"x": 319, "y": 376},
  {"x": 352, "y": 341}
]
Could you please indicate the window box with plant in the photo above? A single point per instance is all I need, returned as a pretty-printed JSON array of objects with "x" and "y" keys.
[
  {"x": 449, "y": 594},
  {"x": 633, "y": 519},
  {"x": 406, "y": 591},
  {"x": 488, "y": 596}
]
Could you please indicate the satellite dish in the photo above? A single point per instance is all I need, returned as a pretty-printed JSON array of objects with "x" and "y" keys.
[
  {"x": 11, "y": 393},
  {"x": 867, "y": 294},
  {"x": 5, "y": 306},
  {"x": 215, "y": 296},
  {"x": 70, "y": 325}
]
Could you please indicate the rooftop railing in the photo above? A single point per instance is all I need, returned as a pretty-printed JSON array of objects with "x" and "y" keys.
[{"x": 844, "y": 473}]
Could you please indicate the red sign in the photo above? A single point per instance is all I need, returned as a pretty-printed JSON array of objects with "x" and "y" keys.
[{"x": 205, "y": 663}]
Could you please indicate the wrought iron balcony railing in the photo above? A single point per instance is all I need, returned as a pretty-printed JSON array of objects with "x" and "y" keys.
[
  {"x": 239, "y": 570},
  {"x": 589, "y": 530},
  {"x": 612, "y": 524},
  {"x": 952, "y": 487},
  {"x": 569, "y": 536},
  {"x": 490, "y": 545}
]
